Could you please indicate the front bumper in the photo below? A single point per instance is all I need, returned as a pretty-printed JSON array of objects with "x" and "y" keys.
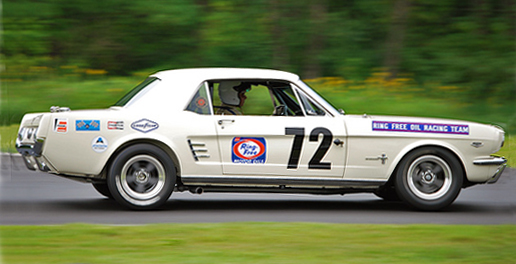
[{"x": 501, "y": 162}]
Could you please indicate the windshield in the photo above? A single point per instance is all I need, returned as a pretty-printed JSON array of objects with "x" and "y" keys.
[
  {"x": 137, "y": 91},
  {"x": 321, "y": 97}
]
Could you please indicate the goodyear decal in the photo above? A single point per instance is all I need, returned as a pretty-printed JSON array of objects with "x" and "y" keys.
[
  {"x": 144, "y": 125},
  {"x": 420, "y": 127},
  {"x": 87, "y": 125},
  {"x": 250, "y": 150}
]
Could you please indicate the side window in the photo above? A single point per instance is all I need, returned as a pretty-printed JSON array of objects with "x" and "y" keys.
[
  {"x": 256, "y": 97},
  {"x": 311, "y": 108},
  {"x": 241, "y": 97},
  {"x": 200, "y": 103}
]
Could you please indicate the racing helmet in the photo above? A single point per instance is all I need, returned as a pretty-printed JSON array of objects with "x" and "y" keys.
[{"x": 228, "y": 92}]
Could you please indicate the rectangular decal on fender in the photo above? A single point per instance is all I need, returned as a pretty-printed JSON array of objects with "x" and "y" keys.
[
  {"x": 420, "y": 127},
  {"x": 87, "y": 125},
  {"x": 249, "y": 150},
  {"x": 61, "y": 125},
  {"x": 115, "y": 125}
]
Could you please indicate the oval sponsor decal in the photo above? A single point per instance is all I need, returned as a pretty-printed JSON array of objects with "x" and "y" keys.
[
  {"x": 144, "y": 125},
  {"x": 249, "y": 150}
]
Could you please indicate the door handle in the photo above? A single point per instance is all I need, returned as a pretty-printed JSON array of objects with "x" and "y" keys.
[{"x": 222, "y": 121}]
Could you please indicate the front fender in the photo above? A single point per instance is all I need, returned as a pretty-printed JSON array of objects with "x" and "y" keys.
[{"x": 425, "y": 143}]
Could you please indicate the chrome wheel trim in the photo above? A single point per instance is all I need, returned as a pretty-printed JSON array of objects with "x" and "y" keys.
[
  {"x": 141, "y": 180},
  {"x": 429, "y": 177}
]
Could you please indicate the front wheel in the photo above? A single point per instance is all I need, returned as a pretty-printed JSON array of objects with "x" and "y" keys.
[
  {"x": 103, "y": 189},
  {"x": 429, "y": 178},
  {"x": 387, "y": 193},
  {"x": 142, "y": 177}
]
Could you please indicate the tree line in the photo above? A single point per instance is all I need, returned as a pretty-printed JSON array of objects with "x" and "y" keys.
[{"x": 467, "y": 43}]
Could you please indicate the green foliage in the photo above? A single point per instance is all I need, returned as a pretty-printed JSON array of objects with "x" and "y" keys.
[
  {"x": 460, "y": 43},
  {"x": 455, "y": 43},
  {"x": 226, "y": 38}
]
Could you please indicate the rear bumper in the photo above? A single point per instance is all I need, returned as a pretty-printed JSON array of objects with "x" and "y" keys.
[
  {"x": 501, "y": 162},
  {"x": 31, "y": 154}
]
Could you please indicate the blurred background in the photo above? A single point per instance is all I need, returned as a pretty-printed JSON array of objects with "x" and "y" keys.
[{"x": 453, "y": 59}]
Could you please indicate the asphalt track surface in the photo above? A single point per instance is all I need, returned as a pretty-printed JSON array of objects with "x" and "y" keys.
[{"x": 35, "y": 198}]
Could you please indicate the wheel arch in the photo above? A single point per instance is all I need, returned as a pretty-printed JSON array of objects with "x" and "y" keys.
[
  {"x": 153, "y": 142},
  {"x": 410, "y": 149}
]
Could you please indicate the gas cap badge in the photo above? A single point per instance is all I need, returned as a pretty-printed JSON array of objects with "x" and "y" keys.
[{"x": 477, "y": 144}]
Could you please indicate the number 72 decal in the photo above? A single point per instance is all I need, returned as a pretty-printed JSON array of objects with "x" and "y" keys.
[{"x": 315, "y": 161}]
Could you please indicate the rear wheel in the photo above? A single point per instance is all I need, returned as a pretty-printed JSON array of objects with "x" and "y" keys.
[
  {"x": 142, "y": 177},
  {"x": 429, "y": 178}
]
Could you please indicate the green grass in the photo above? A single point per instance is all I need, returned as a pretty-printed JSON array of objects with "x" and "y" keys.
[
  {"x": 8, "y": 138},
  {"x": 258, "y": 243},
  {"x": 23, "y": 97},
  {"x": 509, "y": 151}
]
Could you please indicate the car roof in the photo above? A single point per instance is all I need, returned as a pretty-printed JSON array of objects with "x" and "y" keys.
[{"x": 202, "y": 74}]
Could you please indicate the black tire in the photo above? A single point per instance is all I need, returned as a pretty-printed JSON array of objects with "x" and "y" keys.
[
  {"x": 388, "y": 193},
  {"x": 103, "y": 189},
  {"x": 141, "y": 177},
  {"x": 429, "y": 179}
]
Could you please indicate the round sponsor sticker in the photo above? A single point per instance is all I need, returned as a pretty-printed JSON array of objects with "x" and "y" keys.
[
  {"x": 201, "y": 102},
  {"x": 99, "y": 144}
]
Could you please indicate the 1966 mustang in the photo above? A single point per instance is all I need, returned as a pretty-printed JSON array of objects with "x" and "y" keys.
[{"x": 186, "y": 130}]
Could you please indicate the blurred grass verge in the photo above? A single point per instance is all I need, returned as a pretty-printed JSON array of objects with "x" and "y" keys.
[{"x": 259, "y": 243}]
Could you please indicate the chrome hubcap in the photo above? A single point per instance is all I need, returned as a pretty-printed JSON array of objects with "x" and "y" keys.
[
  {"x": 142, "y": 176},
  {"x": 141, "y": 180},
  {"x": 429, "y": 177}
]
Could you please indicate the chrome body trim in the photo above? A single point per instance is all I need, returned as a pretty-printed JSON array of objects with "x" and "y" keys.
[
  {"x": 490, "y": 161},
  {"x": 277, "y": 181},
  {"x": 493, "y": 161},
  {"x": 497, "y": 175}
]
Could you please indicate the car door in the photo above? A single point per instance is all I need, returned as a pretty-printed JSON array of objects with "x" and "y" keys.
[{"x": 300, "y": 142}]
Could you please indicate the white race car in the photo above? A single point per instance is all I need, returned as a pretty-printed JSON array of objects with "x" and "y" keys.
[{"x": 186, "y": 130}]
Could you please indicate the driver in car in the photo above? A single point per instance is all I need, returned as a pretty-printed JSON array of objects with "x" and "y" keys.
[{"x": 232, "y": 95}]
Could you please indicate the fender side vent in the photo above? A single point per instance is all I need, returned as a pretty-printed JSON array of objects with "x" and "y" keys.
[{"x": 199, "y": 150}]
